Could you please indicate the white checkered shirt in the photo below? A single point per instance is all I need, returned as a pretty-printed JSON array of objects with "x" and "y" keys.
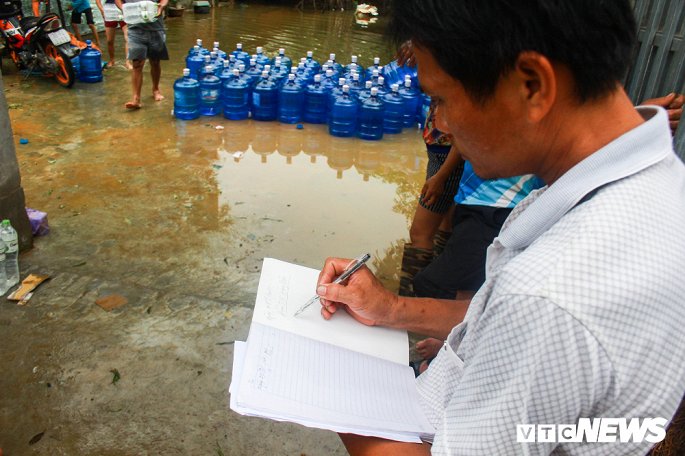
[{"x": 582, "y": 312}]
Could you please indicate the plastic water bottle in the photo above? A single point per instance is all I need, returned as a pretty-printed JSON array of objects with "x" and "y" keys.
[
  {"x": 198, "y": 44},
  {"x": 365, "y": 92},
  {"x": 240, "y": 54},
  {"x": 315, "y": 102},
  {"x": 393, "y": 119},
  {"x": 265, "y": 99},
  {"x": 253, "y": 71},
  {"x": 356, "y": 85},
  {"x": 311, "y": 63},
  {"x": 290, "y": 101},
  {"x": 186, "y": 97},
  {"x": 343, "y": 116},
  {"x": 262, "y": 59},
  {"x": 11, "y": 239},
  {"x": 328, "y": 81},
  {"x": 354, "y": 65},
  {"x": 195, "y": 61},
  {"x": 336, "y": 92},
  {"x": 3, "y": 268},
  {"x": 371, "y": 117},
  {"x": 217, "y": 62},
  {"x": 381, "y": 87},
  {"x": 90, "y": 64},
  {"x": 210, "y": 90},
  {"x": 338, "y": 68},
  {"x": 236, "y": 100},
  {"x": 285, "y": 60},
  {"x": 222, "y": 55},
  {"x": 376, "y": 66},
  {"x": 412, "y": 103}
]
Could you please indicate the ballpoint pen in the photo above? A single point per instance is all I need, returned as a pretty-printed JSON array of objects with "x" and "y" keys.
[{"x": 349, "y": 270}]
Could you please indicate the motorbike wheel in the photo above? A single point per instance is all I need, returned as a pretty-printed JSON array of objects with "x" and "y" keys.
[{"x": 65, "y": 71}]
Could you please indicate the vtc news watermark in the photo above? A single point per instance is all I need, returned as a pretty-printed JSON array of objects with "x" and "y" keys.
[{"x": 595, "y": 430}]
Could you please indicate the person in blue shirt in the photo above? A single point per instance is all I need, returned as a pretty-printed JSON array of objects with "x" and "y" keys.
[{"x": 83, "y": 7}]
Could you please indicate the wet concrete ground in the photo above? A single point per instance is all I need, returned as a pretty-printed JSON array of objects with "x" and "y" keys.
[{"x": 176, "y": 217}]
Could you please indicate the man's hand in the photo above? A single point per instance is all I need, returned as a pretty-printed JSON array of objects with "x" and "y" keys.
[
  {"x": 673, "y": 103},
  {"x": 362, "y": 296}
]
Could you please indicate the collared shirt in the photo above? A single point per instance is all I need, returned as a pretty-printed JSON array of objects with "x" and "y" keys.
[{"x": 581, "y": 314}]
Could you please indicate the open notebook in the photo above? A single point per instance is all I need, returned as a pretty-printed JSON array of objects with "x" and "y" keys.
[{"x": 338, "y": 375}]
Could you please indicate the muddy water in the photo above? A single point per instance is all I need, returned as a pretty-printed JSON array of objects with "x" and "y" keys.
[{"x": 194, "y": 206}]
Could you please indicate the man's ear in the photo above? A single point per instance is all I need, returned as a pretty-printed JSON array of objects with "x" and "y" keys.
[{"x": 537, "y": 82}]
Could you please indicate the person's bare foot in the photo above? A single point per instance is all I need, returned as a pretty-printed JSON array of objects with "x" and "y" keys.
[
  {"x": 128, "y": 65},
  {"x": 157, "y": 95},
  {"x": 132, "y": 105},
  {"x": 110, "y": 64},
  {"x": 428, "y": 348}
]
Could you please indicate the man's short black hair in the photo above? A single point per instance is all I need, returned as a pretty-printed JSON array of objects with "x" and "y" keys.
[{"x": 478, "y": 41}]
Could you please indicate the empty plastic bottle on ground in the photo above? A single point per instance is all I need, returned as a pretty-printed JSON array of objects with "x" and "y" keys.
[
  {"x": 343, "y": 115},
  {"x": 235, "y": 97},
  {"x": 290, "y": 101},
  {"x": 3, "y": 268},
  {"x": 412, "y": 103},
  {"x": 265, "y": 99},
  {"x": 371, "y": 117},
  {"x": 210, "y": 91},
  {"x": 90, "y": 64},
  {"x": 11, "y": 239},
  {"x": 186, "y": 97},
  {"x": 315, "y": 102},
  {"x": 393, "y": 104}
]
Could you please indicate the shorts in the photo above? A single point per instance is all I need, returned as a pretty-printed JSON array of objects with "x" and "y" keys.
[
  {"x": 146, "y": 44},
  {"x": 76, "y": 16},
  {"x": 115, "y": 24},
  {"x": 461, "y": 265},
  {"x": 436, "y": 157}
]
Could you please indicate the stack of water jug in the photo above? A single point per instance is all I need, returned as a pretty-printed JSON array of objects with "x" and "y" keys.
[{"x": 350, "y": 99}]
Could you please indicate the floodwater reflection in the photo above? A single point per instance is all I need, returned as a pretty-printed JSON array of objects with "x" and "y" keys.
[{"x": 158, "y": 200}]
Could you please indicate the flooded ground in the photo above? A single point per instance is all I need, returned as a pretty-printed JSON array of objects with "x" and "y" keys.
[{"x": 176, "y": 216}]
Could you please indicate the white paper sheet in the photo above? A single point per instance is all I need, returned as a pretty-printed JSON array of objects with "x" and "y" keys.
[
  {"x": 285, "y": 287},
  {"x": 289, "y": 377}
]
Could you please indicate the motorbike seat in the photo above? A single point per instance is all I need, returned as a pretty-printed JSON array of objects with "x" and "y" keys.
[{"x": 28, "y": 22}]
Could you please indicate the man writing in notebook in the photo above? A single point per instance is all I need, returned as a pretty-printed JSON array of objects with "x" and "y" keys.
[{"x": 581, "y": 313}]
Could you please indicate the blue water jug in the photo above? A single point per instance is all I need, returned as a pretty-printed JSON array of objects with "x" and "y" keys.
[
  {"x": 371, "y": 117},
  {"x": 90, "y": 64},
  {"x": 240, "y": 54},
  {"x": 376, "y": 66},
  {"x": 210, "y": 91},
  {"x": 316, "y": 102},
  {"x": 328, "y": 81},
  {"x": 311, "y": 63},
  {"x": 336, "y": 92},
  {"x": 203, "y": 51},
  {"x": 356, "y": 85},
  {"x": 265, "y": 99},
  {"x": 343, "y": 116},
  {"x": 303, "y": 74},
  {"x": 365, "y": 92},
  {"x": 194, "y": 62},
  {"x": 354, "y": 65},
  {"x": 235, "y": 97},
  {"x": 395, "y": 74},
  {"x": 412, "y": 104},
  {"x": 222, "y": 55},
  {"x": 254, "y": 71},
  {"x": 337, "y": 68},
  {"x": 186, "y": 97},
  {"x": 216, "y": 62},
  {"x": 285, "y": 60},
  {"x": 262, "y": 59},
  {"x": 380, "y": 85},
  {"x": 290, "y": 101},
  {"x": 393, "y": 119}
]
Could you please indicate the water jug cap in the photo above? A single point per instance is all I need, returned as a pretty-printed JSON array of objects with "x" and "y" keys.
[
  {"x": 281, "y": 51},
  {"x": 380, "y": 67},
  {"x": 376, "y": 60},
  {"x": 199, "y": 42},
  {"x": 381, "y": 80},
  {"x": 216, "y": 44},
  {"x": 310, "y": 54},
  {"x": 267, "y": 68},
  {"x": 294, "y": 69},
  {"x": 354, "y": 59},
  {"x": 196, "y": 47},
  {"x": 369, "y": 84},
  {"x": 355, "y": 76},
  {"x": 239, "y": 46},
  {"x": 236, "y": 72},
  {"x": 265, "y": 74},
  {"x": 291, "y": 77},
  {"x": 212, "y": 55},
  {"x": 207, "y": 58},
  {"x": 329, "y": 73},
  {"x": 317, "y": 78},
  {"x": 346, "y": 88},
  {"x": 88, "y": 43},
  {"x": 395, "y": 87},
  {"x": 303, "y": 59},
  {"x": 253, "y": 62},
  {"x": 260, "y": 49},
  {"x": 5, "y": 222},
  {"x": 341, "y": 81},
  {"x": 332, "y": 56},
  {"x": 186, "y": 72},
  {"x": 209, "y": 68},
  {"x": 278, "y": 61},
  {"x": 374, "y": 91},
  {"x": 241, "y": 67},
  {"x": 374, "y": 72},
  {"x": 407, "y": 82}
]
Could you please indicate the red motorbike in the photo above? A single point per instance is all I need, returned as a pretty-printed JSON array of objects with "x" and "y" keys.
[{"x": 37, "y": 43}]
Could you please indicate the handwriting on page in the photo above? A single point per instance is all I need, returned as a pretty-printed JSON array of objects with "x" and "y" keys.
[{"x": 276, "y": 298}]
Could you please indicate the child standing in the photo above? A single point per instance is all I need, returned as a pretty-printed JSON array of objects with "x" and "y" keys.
[{"x": 83, "y": 7}]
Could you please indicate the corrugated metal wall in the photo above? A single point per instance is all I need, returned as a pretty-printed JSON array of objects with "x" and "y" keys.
[{"x": 659, "y": 67}]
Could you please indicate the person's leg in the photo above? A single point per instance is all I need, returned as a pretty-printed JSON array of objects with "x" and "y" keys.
[
  {"x": 423, "y": 227},
  {"x": 124, "y": 29},
  {"x": 156, "y": 74},
  {"x": 75, "y": 24},
  {"x": 110, "y": 34},
  {"x": 444, "y": 232},
  {"x": 91, "y": 25},
  {"x": 136, "y": 84}
]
